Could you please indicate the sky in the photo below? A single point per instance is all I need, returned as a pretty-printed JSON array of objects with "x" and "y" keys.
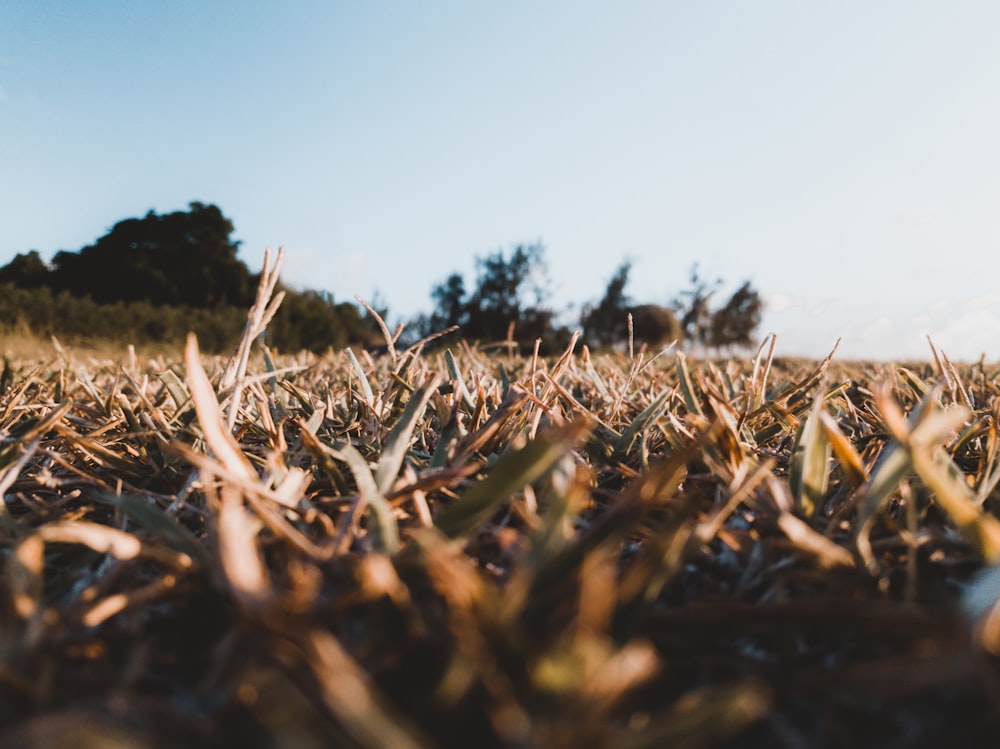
[{"x": 842, "y": 157}]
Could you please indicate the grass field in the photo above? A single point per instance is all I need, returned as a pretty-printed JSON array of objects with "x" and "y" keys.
[{"x": 455, "y": 548}]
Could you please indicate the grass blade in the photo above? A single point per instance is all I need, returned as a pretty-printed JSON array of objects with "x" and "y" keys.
[
  {"x": 398, "y": 443},
  {"x": 366, "y": 387},
  {"x": 206, "y": 405},
  {"x": 385, "y": 533},
  {"x": 155, "y": 520},
  {"x": 809, "y": 467},
  {"x": 951, "y": 491},
  {"x": 691, "y": 399},
  {"x": 849, "y": 459},
  {"x": 826, "y": 553},
  {"x": 650, "y": 414},
  {"x": 513, "y": 471},
  {"x": 455, "y": 373}
]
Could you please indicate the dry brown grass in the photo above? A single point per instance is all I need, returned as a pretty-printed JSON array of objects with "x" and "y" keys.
[{"x": 426, "y": 549}]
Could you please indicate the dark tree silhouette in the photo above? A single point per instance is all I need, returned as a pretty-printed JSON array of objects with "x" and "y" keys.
[
  {"x": 735, "y": 322},
  {"x": 314, "y": 320},
  {"x": 510, "y": 289},
  {"x": 655, "y": 325},
  {"x": 606, "y": 322},
  {"x": 157, "y": 277},
  {"x": 692, "y": 305},
  {"x": 450, "y": 304},
  {"x": 181, "y": 258},
  {"x": 27, "y": 271}
]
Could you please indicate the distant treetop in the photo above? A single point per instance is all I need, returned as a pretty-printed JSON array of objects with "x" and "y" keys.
[
  {"x": 180, "y": 258},
  {"x": 174, "y": 269}
]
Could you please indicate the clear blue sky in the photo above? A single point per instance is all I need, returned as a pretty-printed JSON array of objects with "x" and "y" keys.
[{"x": 844, "y": 157}]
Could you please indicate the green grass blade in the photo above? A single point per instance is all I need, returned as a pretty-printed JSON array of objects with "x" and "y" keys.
[
  {"x": 643, "y": 420},
  {"x": 940, "y": 474},
  {"x": 927, "y": 427},
  {"x": 386, "y": 531},
  {"x": 163, "y": 526},
  {"x": 691, "y": 399},
  {"x": 512, "y": 472},
  {"x": 398, "y": 442},
  {"x": 456, "y": 377},
  {"x": 809, "y": 467}
]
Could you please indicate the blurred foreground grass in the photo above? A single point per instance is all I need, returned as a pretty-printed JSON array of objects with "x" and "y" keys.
[{"x": 454, "y": 548}]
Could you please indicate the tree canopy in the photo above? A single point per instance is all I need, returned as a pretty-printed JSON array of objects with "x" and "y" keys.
[
  {"x": 181, "y": 258},
  {"x": 152, "y": 279},
  {"x": 606, "y": 323},
  {"x": 736, "y": 321},
  {"x": 155, "y": 270},
  {"x": 512, "y": 289},
  {"x": 27, "y": 271}
]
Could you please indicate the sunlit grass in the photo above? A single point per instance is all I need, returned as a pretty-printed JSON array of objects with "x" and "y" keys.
[{"x": 466, "y": 548}]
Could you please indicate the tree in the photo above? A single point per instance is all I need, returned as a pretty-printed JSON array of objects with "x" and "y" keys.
[
  {"x": 449, "y": 299},
  {"x": 607, "y": 322},
  {"x": 511, "y": 288},
  {"x": 655, "y": 325},
  {"x": 157, "y": 277},
  {"x": 692, "y": 305},
  {"x": 735, "y": 322},
  {"x": 181, "y": 258},
  {"x": 313, "y": 320},
  {"x": 27, "y": 271}
]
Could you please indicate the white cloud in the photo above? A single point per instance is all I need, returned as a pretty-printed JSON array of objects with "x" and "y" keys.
[
  {"x": 964, "y": 331},
  {"x": 970, "y": 335},
  {"x": 777, "y": 303}
]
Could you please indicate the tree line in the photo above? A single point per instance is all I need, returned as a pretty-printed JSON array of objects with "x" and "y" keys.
[
  {"x": 152, "y": 279},
  {"x": 510, "y": 304}
]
